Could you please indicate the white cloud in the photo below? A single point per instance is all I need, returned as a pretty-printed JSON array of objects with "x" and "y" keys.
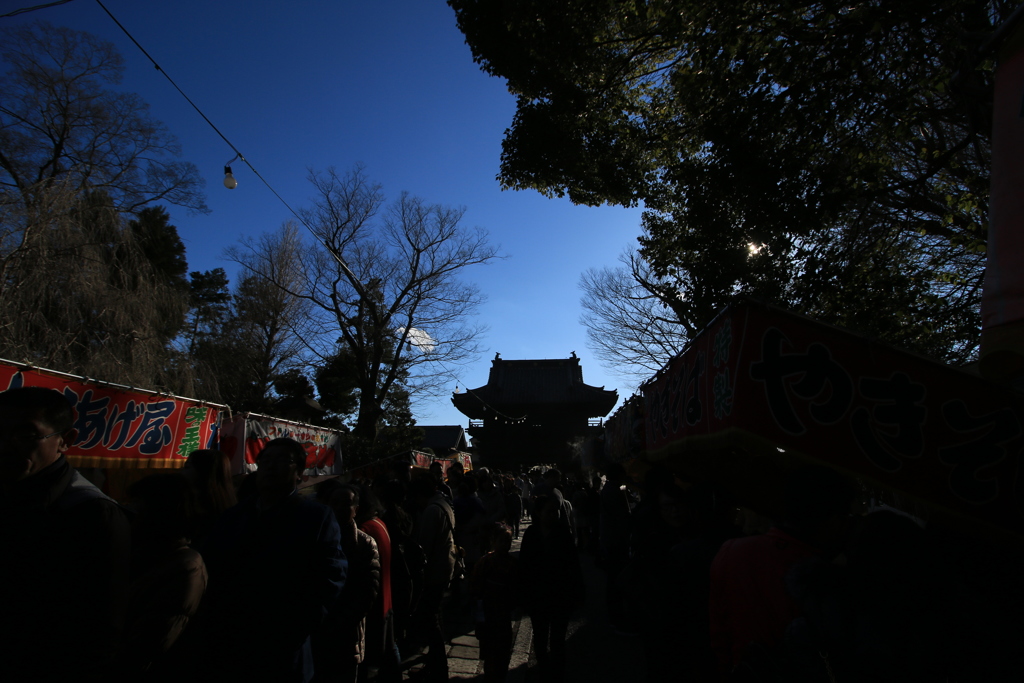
[{"x": 419, "y": 339}]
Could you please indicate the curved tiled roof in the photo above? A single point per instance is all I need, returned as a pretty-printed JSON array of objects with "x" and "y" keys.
[
  {"x": 442, "y": 438},
  {"x": 518, "y": 385}
]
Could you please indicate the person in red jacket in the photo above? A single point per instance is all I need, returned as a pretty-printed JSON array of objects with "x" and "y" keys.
[
  {"x": 381, "y": 646},
  {"x": 750, "y": 607}
]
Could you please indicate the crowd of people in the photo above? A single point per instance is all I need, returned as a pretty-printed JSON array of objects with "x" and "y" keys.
[
  {"x": 830, "y": 589},
  {"x": 199, "y": 576}
]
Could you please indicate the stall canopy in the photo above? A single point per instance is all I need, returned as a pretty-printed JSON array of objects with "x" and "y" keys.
[
  {"x": 765, "y": 381},
  {"x": 121, "y": 426},
  {"x": 243, "y": 436},
  {"x": 425, "y": 460}
]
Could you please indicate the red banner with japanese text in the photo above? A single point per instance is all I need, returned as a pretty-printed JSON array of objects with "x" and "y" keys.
[
  {"x": 425, "y": 460},
  {"x": 123, "y": 427},
  {"x": 624, "y": 431},
  {"x": 244, "y": 436},
  {"x": 421, "y": 459},
  {"x": 761, "y": 378}
]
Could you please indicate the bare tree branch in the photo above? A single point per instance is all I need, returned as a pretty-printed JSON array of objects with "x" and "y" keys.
[{"x": 376, "y": 278}]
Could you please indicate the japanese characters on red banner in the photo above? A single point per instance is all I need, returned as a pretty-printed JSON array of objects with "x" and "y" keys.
[
  {"x": 624, "y": 431},
  {"x": 425, "y": 460},
  {"x": 244, "y": 436},
  {"x": 121, "y": 427},
  {"x": 937, "y": 433}
]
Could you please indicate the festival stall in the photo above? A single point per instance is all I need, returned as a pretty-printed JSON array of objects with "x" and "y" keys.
[
  {"x": 761, "y": 386},
  {"x": 124, "y": 432},
  {"x": 625, "y": 431},
  {"x": 121, "y": 426},
  {"x": 243, "y": 436},
  {"x": 461, "y": 457},
  {"x": 421, "y": 460}
]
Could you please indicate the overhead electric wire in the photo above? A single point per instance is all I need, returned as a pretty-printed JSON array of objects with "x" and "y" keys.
[
  {"x": 223, "y": 137},
  {"x": 25, "y": 10},
  {"x": 252, "y": 168},
  {"x": 200, "y": 112}
]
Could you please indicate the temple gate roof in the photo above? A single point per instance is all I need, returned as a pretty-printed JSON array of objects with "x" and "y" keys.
[{"x": 518, "y": 386}]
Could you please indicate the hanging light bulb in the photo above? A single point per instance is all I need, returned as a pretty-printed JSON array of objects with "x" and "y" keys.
[{"x": 229, "y": 180}]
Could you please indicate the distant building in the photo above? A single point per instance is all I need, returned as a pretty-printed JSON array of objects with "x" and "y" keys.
[
  {"x": 444, "y": 440},
  {"x": 533, "y": 411}
]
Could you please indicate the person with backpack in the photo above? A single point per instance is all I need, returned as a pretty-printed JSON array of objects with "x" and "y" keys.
[
  {"x": 435, "y": 524},
  {"x": 339, "y": 645},
  {"x": 276, "y": 566},
  {"x": 407, "y": 560},
  {"x": 552, "y": 583}
]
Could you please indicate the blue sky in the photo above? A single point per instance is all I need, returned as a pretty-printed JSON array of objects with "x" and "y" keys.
[{"x": 389, "y": 84}]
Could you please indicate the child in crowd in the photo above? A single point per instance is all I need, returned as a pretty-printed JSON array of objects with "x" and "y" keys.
[{"x": 494, "y": 584}]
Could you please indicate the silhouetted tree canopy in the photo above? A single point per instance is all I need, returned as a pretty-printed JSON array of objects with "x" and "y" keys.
[
  {"x": 82, "y": 296},
  {"x": 60, "y": 123},
  {"x": 92, "y": 272},
  {"x": 805, "y": 153}
]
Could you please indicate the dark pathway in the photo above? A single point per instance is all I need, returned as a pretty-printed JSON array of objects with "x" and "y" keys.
[{"x": 593, "y": 653}]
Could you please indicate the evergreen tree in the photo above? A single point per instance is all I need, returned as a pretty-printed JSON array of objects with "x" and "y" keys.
[{"x": 830, "y": 157}]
